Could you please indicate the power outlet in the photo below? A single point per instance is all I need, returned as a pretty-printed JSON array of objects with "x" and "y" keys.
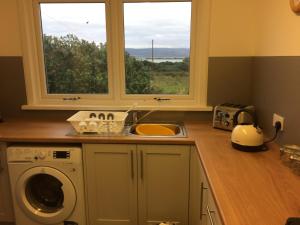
[{"x": 279, "y": 118}]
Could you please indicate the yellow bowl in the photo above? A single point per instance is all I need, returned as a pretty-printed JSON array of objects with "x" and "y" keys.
[{"x": 154, "y": 130}]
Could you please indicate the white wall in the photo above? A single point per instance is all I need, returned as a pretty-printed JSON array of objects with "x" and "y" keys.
[
  {"x": 232, "y": 28},
  {"x": 10, "y": 44},
  {"x": 278, "y": 29},
  {"x": 254, "y": 28}
]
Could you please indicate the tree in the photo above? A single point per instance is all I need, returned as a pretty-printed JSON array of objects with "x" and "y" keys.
[
  {"x": 138, "y": 78},
  {"x": 78, "y": 66},
  {"x": 75, "y": 66}
]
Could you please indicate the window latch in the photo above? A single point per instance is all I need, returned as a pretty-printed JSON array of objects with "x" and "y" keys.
[
  {"x": 162, "y": 99},
  {"x": 71, "y": 98}
]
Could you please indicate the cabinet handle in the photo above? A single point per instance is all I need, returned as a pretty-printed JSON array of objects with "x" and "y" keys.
[
  {"x": 201, "y": 200},
  {"x": 1, "y": 167},
  {"x": 209, "y": 212},
  {"x": 142, "y": 164},
  {"x": 132, "y": 167}
]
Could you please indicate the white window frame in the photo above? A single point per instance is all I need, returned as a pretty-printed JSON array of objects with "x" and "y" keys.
[{"x": 116, "y": 99}]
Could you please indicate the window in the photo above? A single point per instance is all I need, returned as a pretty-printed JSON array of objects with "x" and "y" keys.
[
  {"x": 89, "y": 54},
  {"x": 157, "y": 55},
  {"x": 74, "y": 48}
]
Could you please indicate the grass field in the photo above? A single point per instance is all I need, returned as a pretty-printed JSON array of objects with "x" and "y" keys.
[{"x": 171, "y": 83}]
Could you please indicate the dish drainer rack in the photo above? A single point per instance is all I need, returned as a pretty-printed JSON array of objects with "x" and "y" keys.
[{"x": 101, "y": 122}]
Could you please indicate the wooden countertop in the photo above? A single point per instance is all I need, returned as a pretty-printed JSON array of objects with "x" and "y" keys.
[{"x": 249, "y": 188}]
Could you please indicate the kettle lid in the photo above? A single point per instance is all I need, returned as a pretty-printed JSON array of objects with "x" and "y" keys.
[{"x": 251, "y": 113}]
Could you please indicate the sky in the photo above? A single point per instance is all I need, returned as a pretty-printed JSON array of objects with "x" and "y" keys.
[{"x": 168, "y": 24}]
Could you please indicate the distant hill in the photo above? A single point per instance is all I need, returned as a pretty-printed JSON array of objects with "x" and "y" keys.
[{"x": 159, "y": 52}]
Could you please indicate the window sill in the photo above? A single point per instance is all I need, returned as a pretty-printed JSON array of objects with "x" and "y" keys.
[{"x": 140, "y": 107}]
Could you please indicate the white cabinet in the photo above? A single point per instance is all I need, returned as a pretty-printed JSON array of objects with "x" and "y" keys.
[
  {"x": 111, "y": 184},
  {"x": 6, "y": 210},
  {"x": 195, "y": 218},
  {"x": 163, "y": 184},
  {"x": 136, "y": 184},
  {"x": 203, "y": 210}
]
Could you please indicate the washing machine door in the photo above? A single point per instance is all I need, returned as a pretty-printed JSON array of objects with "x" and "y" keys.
[{"x": 46, "y": 195}]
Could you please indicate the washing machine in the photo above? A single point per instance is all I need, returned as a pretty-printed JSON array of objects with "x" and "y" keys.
[{"x": 47, "y": 185}]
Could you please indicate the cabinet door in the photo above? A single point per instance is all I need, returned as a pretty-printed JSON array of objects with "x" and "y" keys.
[
  {"x": 111, "y": 184},
  {"x": 204, "y": 192},
  {"x": 163, "y": 184},
  {"x": 213, "y": 217},
  {"x": 196, "y": 190},
  {"x": 6, "y": 210}
]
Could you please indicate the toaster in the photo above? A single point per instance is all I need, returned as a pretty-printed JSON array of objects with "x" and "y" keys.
[{"x": 224, "y": 113}]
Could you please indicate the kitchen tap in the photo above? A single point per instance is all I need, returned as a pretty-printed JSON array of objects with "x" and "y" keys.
[{"x": 135, "y": 116}]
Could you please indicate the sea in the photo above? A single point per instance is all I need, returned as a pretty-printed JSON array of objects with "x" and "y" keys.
[{"x": 159, "y": 60}]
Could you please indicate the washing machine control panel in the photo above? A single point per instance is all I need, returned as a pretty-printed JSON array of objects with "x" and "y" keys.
[
  {"x": 41, "y": 154},
  {"x": 61, "y": 154},
  {"x": 49, "y": 154}
]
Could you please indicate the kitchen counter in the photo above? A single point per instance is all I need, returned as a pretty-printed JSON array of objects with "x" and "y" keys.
[
  {"x": 58, "y": 132},
  {"x": 249, "y": 188}
]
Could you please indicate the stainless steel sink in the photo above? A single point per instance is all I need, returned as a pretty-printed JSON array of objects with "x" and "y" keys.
[{"x": 178, "y": 129}]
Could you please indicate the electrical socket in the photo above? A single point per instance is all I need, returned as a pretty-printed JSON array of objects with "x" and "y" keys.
[{"x": 278, "y": 118}]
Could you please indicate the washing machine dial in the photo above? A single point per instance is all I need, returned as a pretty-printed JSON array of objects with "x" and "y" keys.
[{"x": 41, "y": 155}]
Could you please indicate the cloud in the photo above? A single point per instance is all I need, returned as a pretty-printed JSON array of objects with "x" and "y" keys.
[
  {"x": 89, "y": 32},
  {"x": 168, "y": 24}
]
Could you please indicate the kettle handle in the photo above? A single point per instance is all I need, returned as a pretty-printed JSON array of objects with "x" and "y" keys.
[{"x": 236, "y": 116}]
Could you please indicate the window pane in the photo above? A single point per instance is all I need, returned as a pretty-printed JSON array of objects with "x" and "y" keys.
[
  {"x": 157, "y": 47},
  {"x": 74, "y": 42}
]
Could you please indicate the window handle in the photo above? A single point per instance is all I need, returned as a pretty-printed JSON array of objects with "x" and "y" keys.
[
  {"x": 162, "y": 99},
  {"x": 72, "y": 98}
]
